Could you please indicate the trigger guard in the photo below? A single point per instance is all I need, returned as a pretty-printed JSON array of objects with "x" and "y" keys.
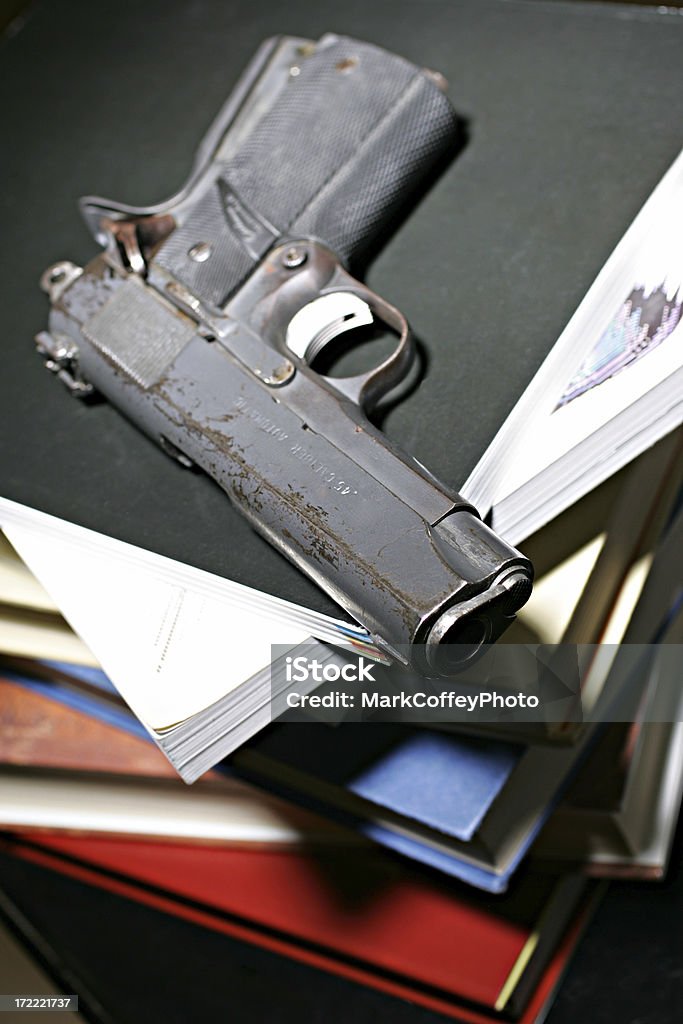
[{"x": 321, "y": 321}]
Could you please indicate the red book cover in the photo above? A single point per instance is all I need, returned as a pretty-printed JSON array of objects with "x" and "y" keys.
[
  {"x": 42, "y": 733},
  {"x": 358, "y": 913}
]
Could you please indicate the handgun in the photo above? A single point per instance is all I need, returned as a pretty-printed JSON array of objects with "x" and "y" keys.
[{"x": 209, "y": 321}]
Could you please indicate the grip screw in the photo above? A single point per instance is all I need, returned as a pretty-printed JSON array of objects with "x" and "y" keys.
[
  {"x": 200, "y": 252},
  {"x": 294, "y": 257}
]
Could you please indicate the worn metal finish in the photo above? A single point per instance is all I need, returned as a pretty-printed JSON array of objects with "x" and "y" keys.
[{"x": 231, "y": 387}]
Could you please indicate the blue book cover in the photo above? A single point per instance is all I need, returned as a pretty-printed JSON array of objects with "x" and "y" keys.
[
  {"x": 444, "y": 781},
  {"x": 440, "y": 781}
]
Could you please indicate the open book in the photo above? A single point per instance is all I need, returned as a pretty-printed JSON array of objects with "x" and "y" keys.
[
  {"x": 188, "y": 651},
  {"x": 611, "y": 386}
]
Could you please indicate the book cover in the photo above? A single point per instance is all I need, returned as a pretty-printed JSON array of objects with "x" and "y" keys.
[{"x": 365, "y": 916}]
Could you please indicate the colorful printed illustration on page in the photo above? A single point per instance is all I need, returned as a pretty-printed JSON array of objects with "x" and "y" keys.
[{"x": 644, "y": 320}]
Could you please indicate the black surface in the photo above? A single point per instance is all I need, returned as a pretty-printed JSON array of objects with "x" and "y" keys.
[
  {"x": 572, "y": 118},
  {"x": 573, "y": 114}
]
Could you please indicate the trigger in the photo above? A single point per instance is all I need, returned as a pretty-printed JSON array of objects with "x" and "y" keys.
[{"x": 323, "y": 320}]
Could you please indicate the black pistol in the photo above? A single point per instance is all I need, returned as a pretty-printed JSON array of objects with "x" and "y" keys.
[{"x": 207, "y": 321}]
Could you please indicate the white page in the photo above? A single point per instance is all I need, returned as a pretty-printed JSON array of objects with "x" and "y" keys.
[
  {"x": 537, "y": 432},
  {"x": 172, "y": 639},
  {"x": 169, "y": 650}
]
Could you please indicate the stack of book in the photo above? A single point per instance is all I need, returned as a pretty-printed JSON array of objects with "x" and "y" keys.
[{"x": 454, "y": 864}]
